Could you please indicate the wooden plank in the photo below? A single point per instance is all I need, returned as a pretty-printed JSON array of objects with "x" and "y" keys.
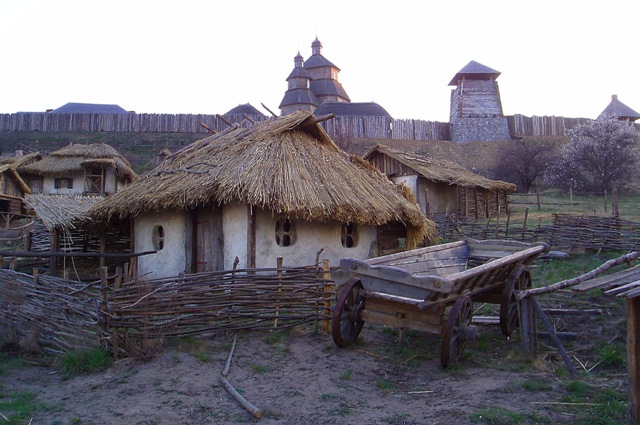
[
  {"x": 610, "y": 280},
  {"x": 633, "y": 352},
  {"x": 398, "y": 322},
  {"x": 405, "y": 308},
  {"x": 396, "y": 275},
  {"x": 415, "y": 252}
]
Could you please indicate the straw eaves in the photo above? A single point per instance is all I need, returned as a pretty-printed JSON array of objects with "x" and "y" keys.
[
  {"x": 75, "y": 157},
  {"x": 287, "y": 165},
  {"x": 61, "y": 211},
  {"x": 441, "y": 170}
]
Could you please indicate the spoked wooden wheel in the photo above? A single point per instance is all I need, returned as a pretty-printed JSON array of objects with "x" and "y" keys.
[
  {"x": 457, "y": 331},
  {"x": 509, "y": 316},
  {"x": 345, "y": 322}
]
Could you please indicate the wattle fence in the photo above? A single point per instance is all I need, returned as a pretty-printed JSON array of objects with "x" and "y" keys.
[{"x": 133, "y": 318}]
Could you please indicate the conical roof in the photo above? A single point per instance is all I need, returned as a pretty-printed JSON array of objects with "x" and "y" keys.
[
  {"x": 619, "y": 110},
  {"x": 475, "y": 71}
]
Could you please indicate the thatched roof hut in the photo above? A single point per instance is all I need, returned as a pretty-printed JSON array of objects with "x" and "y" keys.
[
  {"x": 78, "y": 157},
  {"x": 287, "y": 165},
  {"x": 451, "y": 187}
]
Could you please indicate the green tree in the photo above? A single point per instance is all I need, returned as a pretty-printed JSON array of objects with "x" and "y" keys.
[{"x": 601, "y": 153}]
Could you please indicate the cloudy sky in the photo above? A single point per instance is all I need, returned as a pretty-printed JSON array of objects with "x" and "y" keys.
[{"x": 563, "y": 58}]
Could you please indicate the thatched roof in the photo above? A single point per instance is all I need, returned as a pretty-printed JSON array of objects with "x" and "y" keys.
[
  {"x": 74, "y": 158},
  {"x": 21, "y": 160},
  {"x": 61, "y": 211},
  {"x": 619, "y": 110},
  {"x": 440, "y": 170},
  {"x": 287, "y": 165}
]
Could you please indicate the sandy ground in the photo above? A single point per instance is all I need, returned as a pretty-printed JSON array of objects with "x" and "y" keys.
[{"x": 302, "y": 377}]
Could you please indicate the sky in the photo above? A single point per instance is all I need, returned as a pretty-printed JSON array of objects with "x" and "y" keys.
[{"x": 556, "y": 57}]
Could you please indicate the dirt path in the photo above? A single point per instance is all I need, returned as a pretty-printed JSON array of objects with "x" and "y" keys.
[{"x": 301, "y": 377}]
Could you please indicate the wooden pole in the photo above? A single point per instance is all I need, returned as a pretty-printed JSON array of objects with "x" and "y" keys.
[
  {"x": 524, "y": 223},
  {"x": 275, "y": 321},
  {"x": 326, "y": 274},
  {"x": 614, "y": 200},
  {"x": 633, "y": 351},
  {"x": 605, "y": 200},
  {"x": 554, "y": 337},
  {"x": 538, "y": 195},
  {"x": 528, "y": 334}
]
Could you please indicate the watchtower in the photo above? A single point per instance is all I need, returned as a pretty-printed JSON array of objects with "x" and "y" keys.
[{"x": 476, "y": 109}]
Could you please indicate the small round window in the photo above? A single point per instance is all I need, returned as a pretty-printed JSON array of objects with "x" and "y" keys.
[{"x": 158, "y": 238}]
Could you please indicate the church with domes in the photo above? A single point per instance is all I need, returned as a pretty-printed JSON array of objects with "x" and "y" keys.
[{"x": 313, "y": 85}]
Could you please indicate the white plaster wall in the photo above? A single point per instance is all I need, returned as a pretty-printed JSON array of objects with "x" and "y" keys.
[
  {"x": 171, "y": 260},
  {"x": 310, "y": 238},
  {"x": 110, "y": 180},
  {"x": 49, "y": 187},
  {"x": 234, "y": 232}
]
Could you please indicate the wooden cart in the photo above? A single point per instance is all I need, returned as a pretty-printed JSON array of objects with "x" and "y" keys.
[{"x": 432, "y": 290}]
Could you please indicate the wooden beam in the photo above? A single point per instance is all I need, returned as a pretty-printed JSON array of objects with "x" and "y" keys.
[
  {"x": 251, "y": 237},
  {"x": 633, "y": 351}
]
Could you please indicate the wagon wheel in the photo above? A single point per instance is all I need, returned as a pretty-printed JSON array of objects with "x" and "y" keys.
[
  {"x": 457, "y": 331},
  {"x": 509, "y": 318},
  {"x": 345, "y": 323}
]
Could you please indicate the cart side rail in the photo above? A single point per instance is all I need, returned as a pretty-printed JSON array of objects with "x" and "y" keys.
[{"x": 394, "y": 280}]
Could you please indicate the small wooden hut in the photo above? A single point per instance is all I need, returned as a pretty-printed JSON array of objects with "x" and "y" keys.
[
  {"x": 95, "y": 169},
  {"x": 281, "y": 188},
  {"x": 12, "y": 189},
  {"x": 441, "y": 186}
]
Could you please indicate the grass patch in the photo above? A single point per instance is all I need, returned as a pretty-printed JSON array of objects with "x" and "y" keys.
[
  {"x": 203, "y": 357},
  {"x": 595, "y": 406},
  {"x": 259, "y": 368},
  {"x": 9, "y": 362},
  {"x": 535, "y": 385},
  {"x": 347, "y": 374},
  {"x": 385, "y": 384},
  {"x": 500, "y": 416},
  {"x": 611, "y": 355},
  {"x": 19, "y": 407},
  {"x": 84, "y": 362}
]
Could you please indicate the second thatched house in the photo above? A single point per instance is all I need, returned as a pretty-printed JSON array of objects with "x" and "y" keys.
[
  {"x": 281, "y": 188},
  {"x": 441, "y": 186},
  {"x": 94, "y": 169}
]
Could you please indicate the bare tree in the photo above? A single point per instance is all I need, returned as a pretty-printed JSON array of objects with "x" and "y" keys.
[
  {"x": 601, "y": 153},
  {"x": 522, "y": 162}
]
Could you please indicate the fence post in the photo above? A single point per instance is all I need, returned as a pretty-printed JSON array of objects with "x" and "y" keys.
[
  {"x": 326, "y": 274},
  {"x": 275, "y": 321},
  {"x": 104, "y": 318}
]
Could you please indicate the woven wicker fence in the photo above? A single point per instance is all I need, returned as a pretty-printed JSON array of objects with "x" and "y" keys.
[{"x": 132, "y": 318}]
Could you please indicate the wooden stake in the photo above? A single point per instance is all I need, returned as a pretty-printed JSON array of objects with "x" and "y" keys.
[
  {"x": 554, "y": 337},
  {"x": 328, "y": 290},
  {"x": 633, "y": 352}
]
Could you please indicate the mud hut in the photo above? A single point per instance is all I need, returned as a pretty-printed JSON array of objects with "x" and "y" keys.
[
  {"x": 281, "y": 188},
  {"x": 95, "y": 169},
  {"x": 441, "y": 186}
]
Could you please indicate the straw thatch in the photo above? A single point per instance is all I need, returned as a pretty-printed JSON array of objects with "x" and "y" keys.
[
  {"x": 61, "y": 211},
  {"x": 75, "y": 158},
  {"x": 21, "y": 160},
  {"x": 440, "y": 170},
  {"x": 287, "y": 165}
]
